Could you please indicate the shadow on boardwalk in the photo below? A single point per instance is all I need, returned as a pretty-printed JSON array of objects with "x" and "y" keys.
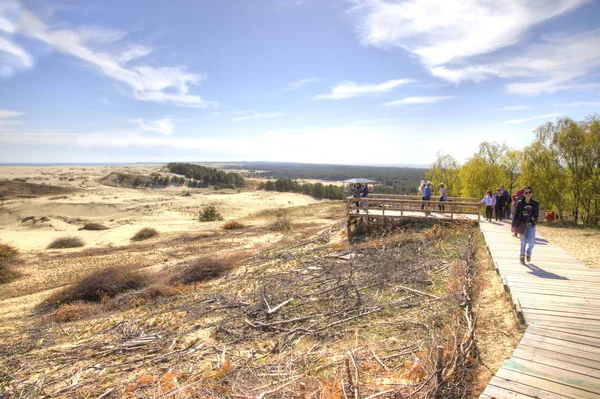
[{"x": 541, "y": 273}]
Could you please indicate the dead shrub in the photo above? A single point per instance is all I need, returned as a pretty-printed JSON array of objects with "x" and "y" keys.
[
  {"x": 141, "y": 297},
  {"x": 282, "y": 224},
  {"x": 93, "y": 226},
  {"x": 7, "y": 252},
  {"x": 72, "y": 312},
  {"x": 201, "y": 269},
  {"x": 144, "y": 234},
  {"x": 66, "y": 242},
  {"x": 99, "y": 285},
  {"x": 233, "y": 225}
]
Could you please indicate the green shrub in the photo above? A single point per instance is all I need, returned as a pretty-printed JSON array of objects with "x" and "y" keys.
[
  {"x": 233, "y": 225},
  {"x": 66, "y": 242},
  {"x": 209, "y": 214},
  {"x": 144, "y": 234}
]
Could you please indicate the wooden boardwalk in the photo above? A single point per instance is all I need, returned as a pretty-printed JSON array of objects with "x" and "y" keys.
[{"x": 558, "y": 298}]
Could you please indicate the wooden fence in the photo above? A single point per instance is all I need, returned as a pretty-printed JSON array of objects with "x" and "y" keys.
[{"x": 381, "y": 207}]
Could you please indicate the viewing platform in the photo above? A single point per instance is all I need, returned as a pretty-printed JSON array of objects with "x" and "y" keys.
[{"x": 387, "y": 208}]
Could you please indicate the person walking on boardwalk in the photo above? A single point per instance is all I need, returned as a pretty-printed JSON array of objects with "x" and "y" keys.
[
  {"x": 426, "y": 197},
  {"x": 527, "y": 212},
  {"x": 490, "y": 201},
  {"x": 443, "y": 196},
  {"x": 506, "y": 198},
  {"x": 357, "y": 195},
  {"x": 499, "y": 206}
]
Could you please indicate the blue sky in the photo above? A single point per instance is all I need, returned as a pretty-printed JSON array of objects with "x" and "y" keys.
[{"x": 334, "y": 81}]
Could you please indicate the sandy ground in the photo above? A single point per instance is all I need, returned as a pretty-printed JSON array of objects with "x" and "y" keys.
[
  {"x": 581, "y": 242},
  {"x": 124, "y": 211}
]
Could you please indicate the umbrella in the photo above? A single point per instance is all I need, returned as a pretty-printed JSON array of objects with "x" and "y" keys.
[{"x": 359, "y": 180}]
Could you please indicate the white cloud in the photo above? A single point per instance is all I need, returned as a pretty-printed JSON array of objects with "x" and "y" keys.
[
  {"x": 531, "y": 118},
  {"x": 5, "y": 113},
  {"x": 163, "y": 126},
  {"x": 299, "y": 83},
  {"x": 351, "y": 89},
  {"x": 147, "y": 83},
  {"x": 442, "y": 32},
  {"x": 581, "y": 104},
  {"x": 418, "y": 100},
  {"x": 376, "y": 122},
  {"x": 6, "y": 118},
  {"x": 547, "y": 73},
  {"x": 259, "y": 115},
  {"x": 513, "y": 108},
  {"x": 16, "y": 52},
  {"x": 457, "y": 40}
]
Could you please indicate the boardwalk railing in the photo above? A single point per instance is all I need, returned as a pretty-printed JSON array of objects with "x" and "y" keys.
[{"x": 388, "y": 207}]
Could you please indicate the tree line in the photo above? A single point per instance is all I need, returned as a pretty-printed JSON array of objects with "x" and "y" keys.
[
  {"x": 202, "y": 176},
  {"x": 317, "y": 190},
  {"x": 562, "y": 165},
  {"x": 397, "y": 180}
]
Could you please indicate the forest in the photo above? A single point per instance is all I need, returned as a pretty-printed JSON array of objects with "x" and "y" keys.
[
  {"x": 392, "y": 180},
  {"x": 202, "y": 176},
  {"x": 317, "y": 190},
  {"x": 562, "y": 165}
]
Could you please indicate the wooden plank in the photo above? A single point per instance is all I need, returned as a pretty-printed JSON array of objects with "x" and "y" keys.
[
  {"x": 544, "y": 384},
  {"x": 499, "y": 387},
  {"x": 502, "y": 393},
  {"x": 567, "y": 313},
  {"x": 563, "y": 319},
  {"x": 534, "y": 343},
  {"x": 565, "y": 344},
  {"x": 589, "y": 385},
  {"x": 581, "y": 327},
  {"x": 566, "y": 330},
  {"x": 591, "y": 341},
  {"x": 574, "y": 363},
  {"x": 552, "y": 298}
]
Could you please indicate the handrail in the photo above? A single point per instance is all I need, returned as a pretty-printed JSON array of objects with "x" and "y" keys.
[{"x": 382, "y": 206}]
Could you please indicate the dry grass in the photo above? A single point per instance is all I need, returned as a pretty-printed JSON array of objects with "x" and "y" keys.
[
  {"x": 233, "y": 225},
  {"x": 66, "y": 242},
  {"x": 94, "y": 226},
  {"x": 99, "y": 286},
  {"x": 8, "y": 254},
  {"x": 282, "y": 224},
  {"x": 74, "y": 311},
  {"x": 134, "y": 299},
  {"x": 201, "y": 269},
  {"x": 144, "y": 234}
]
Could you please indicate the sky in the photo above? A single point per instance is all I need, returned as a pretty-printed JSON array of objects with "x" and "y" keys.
[{"x": 318, "y": 81}]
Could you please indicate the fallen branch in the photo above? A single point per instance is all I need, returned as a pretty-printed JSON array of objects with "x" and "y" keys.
[{"x": 418, "y": 292}]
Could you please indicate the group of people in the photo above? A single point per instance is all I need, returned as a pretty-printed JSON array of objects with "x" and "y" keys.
[
  {"x": 426, "y": 194},
  {"x": 360, "y": 191},
  {"x": 525, "y": 215},
  {"x": 497, "y": 203}
]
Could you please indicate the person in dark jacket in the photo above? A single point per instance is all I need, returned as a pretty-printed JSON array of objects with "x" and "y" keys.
[
  {"x": 499, "y": 207},
  {"x": 527, "y": 211},
  {"x": 506, "y": 197},
  {"x": 357, "y": 195}
]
